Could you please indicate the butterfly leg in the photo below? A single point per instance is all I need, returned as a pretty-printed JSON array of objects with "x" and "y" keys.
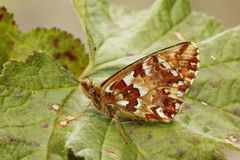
[
  {"x": 122, "y": 130},
  {"x": 73, "y": 118}
]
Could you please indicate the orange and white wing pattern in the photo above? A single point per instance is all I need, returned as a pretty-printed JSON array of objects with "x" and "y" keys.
[{"x": 153, "y": 87}]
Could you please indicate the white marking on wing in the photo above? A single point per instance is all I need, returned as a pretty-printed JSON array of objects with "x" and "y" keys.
[
  {"x": 166, "y": 90},
  {"x": 148, "y": 72},
  {"x": 120, "y": 96},
  {"x": 139, "y": 113},
  {"x": 160, "y": 113},
  {"x": 194, "y": 44},
  {"x": 193, "y": 63},
  {"x": 191, "y": 82},
  {"x": 160, "y": 60},
  {"x": 166, "y": 65},
  {"x": 177, "y": 105},
  {"x": 107, "y": 89},
  {"x": 149, "y": 108},
  {"x": 122, "y": 102},
  {"x": 188, "y": 79},
  {"x": 128, "y": 78},
  {"x": 145, "y": 66},
  {"x": 198, "y": 65},
  {"x": 142, "y": 90},
  {"x": 172, "y": 96},
  {"x": 139, "y": 103},
  {"x": 196, "y": 73},
  {"x": 198, "y": 57},
  {"x": 174, "y": 73},
  {"x": 180, "y": 94},
  {"x": 147, "y": 69},
  {"x": 180, "y": 83}
]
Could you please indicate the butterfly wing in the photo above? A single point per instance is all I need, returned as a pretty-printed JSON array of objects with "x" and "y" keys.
[{"x": 152, "y": 88}]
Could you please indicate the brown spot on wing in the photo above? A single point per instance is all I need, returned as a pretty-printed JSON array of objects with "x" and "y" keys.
[
  {"x": 139, "y": 71},
  {"x": 183, "y": 48},
  {"x": 131, "y": 105},
  {"x": 119, "y": 85}
]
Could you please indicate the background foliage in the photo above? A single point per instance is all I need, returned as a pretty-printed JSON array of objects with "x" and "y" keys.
[{"x": 209, "y": 118}]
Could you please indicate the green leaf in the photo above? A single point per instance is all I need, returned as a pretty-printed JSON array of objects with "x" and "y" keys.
[
  {"x": 118, "y": 32},
  {"x": 31, "y": 91},
  {"x": 68, "y": 50},
  {"x": 62, "y": 45},
  {"x": 29, "y": 127},
  {"x": 209, "y": 119},
  {"x": 8, "y": 34},
  {"x": 208, "y": 122}
]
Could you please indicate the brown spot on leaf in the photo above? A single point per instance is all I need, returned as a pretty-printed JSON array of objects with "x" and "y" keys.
[
  {"x": 13, "y": 23},
  {"x": 69, "y": 55},
  {"x": 11, "y": 139},
  {"x": 238, "y": 65},
  {"x": 195, "y": 141},
  {"x": 128, "y": 53},
  {"x": 45, "y": 125},
  {"x": 236, "y": 111},
  {"x": 72, "y": 155},
  {"x": 65, "y": 66},
  {"x": 205, "y": 129},
  {"x": 214, "y": 84},
  {"x": 131, "y": 132},
  {"x": 1, "y": 16},
  {"x": 232, "y": 138},
  {"x": 36, "y": 144},
  {"x": 186, "y": 106},
  {"x": 149, "y": 136},
  {"x": 214, "y": 157},
  {"x": 180, "y": 153},
  {"x": 57, "y": 55},
  {"x": 4, "y": 9},
  {"x": 110, "y": 153},
  {"x": 55, "y": 42},
  {"x": 11, "y": 43}
]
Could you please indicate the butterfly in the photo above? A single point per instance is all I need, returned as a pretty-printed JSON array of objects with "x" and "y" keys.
[{"x": 149, "y": 89}]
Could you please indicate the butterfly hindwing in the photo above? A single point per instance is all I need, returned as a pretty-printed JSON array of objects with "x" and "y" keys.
[{"x": 152, "y": 88}]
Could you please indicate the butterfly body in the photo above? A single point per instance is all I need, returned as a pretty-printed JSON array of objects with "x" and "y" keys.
[{"x": 150, "y": 89}]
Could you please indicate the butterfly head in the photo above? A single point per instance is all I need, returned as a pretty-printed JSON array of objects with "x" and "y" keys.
[
  {"x": 92, "y": 92},
  {"x": 88, "y": 88}
]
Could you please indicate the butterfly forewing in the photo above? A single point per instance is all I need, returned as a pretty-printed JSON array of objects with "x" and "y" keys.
[{"x": 152, "y": 88}]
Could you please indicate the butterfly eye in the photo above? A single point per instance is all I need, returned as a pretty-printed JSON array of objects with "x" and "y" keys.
[
  {"x": 91, "y": 92},
  {"x": 88, "y": 88}
]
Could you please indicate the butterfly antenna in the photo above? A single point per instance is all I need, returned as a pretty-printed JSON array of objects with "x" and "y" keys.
[
  {"x": 179, "y": 36},
  {"x": 88, "y": 72},
  {"x": 92, "y": 61},
  {"x": 122, "y": 130},
  {"x": 69, "y": 119}
]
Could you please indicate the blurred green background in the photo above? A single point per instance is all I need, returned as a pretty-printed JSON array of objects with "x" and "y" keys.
[
  {"x": 50, "y": 13},
  {"x": 30, "y": 14}
]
